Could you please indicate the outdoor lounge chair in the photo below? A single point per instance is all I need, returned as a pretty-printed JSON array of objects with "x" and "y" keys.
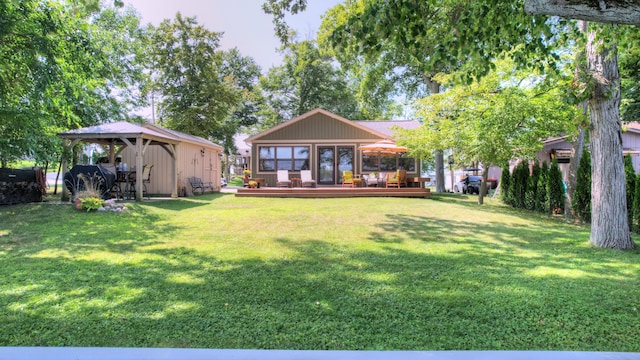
[
  {"x": 283, "y": 179},
  {"x": 348, "y": 179},
  {"x": 305, "y": 177},
  {"x": 397, "y": 179}
]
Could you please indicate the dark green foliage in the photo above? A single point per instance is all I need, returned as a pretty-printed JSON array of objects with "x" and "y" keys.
[
  {"x": 519, "y": 185},
  {"x": 542, "y": 198},
  {"x": 581, "y": 203},
  {"x": 555, "y": 188},
  {"x": 630, "y": 175},
  {"x": 636, "y": 208},
  {"x": 532, "y": 187},
  {"x": 505, "y": 181}
]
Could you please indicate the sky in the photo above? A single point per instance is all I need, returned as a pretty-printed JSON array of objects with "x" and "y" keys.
[{"x": 243, "y": 23}]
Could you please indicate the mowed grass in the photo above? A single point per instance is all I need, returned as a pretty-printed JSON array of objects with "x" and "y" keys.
[{"x": 216, "y": 271}]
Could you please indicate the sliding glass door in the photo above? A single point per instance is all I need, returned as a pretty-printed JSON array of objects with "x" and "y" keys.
[{"x": 332, "y": 161}]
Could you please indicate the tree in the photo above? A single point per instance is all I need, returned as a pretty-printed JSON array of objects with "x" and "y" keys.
[
  {"x": 581, "y": 202},
  {"x": 542, "y": 201},
  {"x": 555, "y": 188},
  {"x": 531, "y": 193},
  {"x": 611, "y": 11},
  {"x": 57, "y": 71},
  {"x": 505, "y": 185},
  {"x": 306, "y": 80},
  {"x": 630, "y": 176},
  {"x": 492, "y": 120},
  {"x": 196, "y": 96},
  {"x": 636, "y": 207}
]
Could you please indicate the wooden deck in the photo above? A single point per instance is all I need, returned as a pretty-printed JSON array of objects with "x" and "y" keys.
[{"x": 334, "y": 192}]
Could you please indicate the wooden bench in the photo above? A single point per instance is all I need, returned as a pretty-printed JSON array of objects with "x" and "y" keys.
[{"x": 196, "y": 183}]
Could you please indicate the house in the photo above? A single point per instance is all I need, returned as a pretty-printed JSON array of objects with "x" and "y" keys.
[
  {"x": 175, "y": 156},
  {"x": 560, "y": 148},
  {"x": 327, "y": 144}
]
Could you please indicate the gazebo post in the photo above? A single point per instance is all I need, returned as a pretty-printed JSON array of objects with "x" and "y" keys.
[{"x": 139, "y": 169}]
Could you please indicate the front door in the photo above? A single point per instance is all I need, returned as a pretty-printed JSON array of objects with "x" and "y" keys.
[{"x": 332, "y": 161}]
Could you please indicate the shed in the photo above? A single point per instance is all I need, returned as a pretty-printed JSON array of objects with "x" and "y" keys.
[{"x": 175, "y": 156}]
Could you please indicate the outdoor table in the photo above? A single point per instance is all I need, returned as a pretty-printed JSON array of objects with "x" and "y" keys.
[{"x": 128, "y": 178}]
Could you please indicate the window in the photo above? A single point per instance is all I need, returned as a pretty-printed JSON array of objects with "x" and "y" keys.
[
  {"x": 272, "y": 158},
  {"x": 388, "y": 163}
]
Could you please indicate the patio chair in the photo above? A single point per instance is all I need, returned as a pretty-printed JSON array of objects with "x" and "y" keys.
[
  {"x": 397, "y": 179},
  {"x": 348, "y": 179},
  {"x": 371, "y": 179},
  {"x": 307, "y": 180},
  {"x": 283, "y": 179}
]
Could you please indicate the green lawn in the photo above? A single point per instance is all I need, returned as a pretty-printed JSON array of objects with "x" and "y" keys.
[{"x": 218, "y": 271}]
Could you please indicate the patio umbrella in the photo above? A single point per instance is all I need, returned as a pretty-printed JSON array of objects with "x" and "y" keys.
[{"x": 384, "y": 147}]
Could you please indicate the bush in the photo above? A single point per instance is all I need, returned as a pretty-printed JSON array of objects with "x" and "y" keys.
[
  {"x": 505, "y": 180},
  {"x": 630, "y": 176},
  {"x": 555, "y": 188},
  {"x": 636, "y": 207},
  {"x": 542, "y": 197},
  {"x": 532, "y": 187},
  {"x": 581, "y": 202}
]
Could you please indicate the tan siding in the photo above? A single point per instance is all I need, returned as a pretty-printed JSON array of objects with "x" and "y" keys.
[
  {"x": 190, "y": 162},
  {"x": 318, "y": 127}
]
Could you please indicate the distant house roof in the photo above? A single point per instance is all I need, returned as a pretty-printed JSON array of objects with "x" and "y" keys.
[{"x": 386, "y": 126}]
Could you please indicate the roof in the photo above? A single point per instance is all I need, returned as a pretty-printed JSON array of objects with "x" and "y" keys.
[
  {"x": 114, "y": 133},
  {"x": 185, "y": 137},
  {"x": 117, "y": 129},
  {"x": 386, "y": 126},
  {"x": 380, "y": 128}
]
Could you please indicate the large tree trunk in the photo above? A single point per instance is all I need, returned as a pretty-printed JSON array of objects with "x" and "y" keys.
[
  {"x": 577, "y": 147},
  {"x": 607, "y": 11},
  {"x": 609, "y": 223},
  {"x": 483, "y": 185},
  {"x": 434, "y": 88}
]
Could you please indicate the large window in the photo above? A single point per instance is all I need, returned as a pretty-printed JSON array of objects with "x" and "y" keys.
[
  {"x": 388, "y": 163},
  {"x": 272, "y": 158}
]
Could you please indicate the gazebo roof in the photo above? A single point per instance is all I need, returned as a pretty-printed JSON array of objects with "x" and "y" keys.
[{"x": 114, "y": 133}]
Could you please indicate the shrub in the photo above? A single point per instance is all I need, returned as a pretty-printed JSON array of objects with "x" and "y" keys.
[
  {"x": 636, "y": 207},
  {"x": 90, "y": 198},
  {"x": 519, "y": 184},
  {"x": 505, "y": 180},
  {"x": 532, "y": 187},
  {"x": 630, "y": 176},
  {"x": 555, "y": 188},
  {"x": 581, "y": 202},
  {"x": 542, "y": 197}
]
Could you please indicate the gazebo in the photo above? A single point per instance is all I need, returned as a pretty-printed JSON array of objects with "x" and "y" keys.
[{"x": 135, "y": 141}]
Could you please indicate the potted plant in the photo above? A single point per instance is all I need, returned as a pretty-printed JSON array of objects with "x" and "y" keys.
[
  {"x": 246, "y": 173},
  {"x": 253, "y": 184}
]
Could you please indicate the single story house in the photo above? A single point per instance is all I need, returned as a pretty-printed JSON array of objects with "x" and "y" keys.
[
  {"x": 327, "y": 144},
  {"x": 175, "y": 156}
]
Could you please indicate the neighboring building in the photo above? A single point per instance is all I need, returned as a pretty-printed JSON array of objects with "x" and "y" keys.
[
  {"x": 560, "y": 149},
  {"x": 175, "y": 156},
  {"x": 241, "y": 160},
  {"x": 326, "y": 144}
]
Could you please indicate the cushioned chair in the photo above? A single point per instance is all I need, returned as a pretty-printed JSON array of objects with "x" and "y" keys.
[
  {"x": 371, "y": 179},
  {"x": 283, "y": 179},
  {"x": 306, "y": 179},
  {"x": 397, "y": 179},
  {"x": 348, "y": 179}
]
